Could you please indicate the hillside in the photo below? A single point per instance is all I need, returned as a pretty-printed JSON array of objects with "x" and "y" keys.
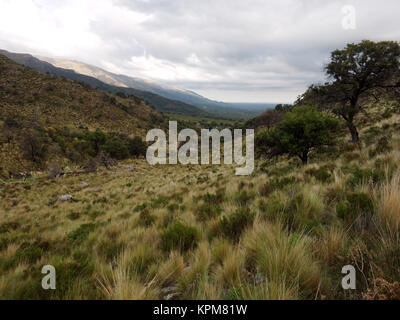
[
  {"x": 26, "y": 94},
  {"x": 160, "y": 103},
  {"x": 284, "y": 232},
  {"x": 169, "y": 92},
  {"x": 41, "y": 112},
  {"x": 163, "y": 98}
]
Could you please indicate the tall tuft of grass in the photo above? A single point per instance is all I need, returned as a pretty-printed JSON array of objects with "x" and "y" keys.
[
  {"x": 120, "y": 282},
  {"x": 282, "y": 257},
  {"x": 389, "y": 203}
]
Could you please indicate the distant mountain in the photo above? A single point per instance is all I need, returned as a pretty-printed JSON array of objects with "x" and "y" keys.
[
  {"x": 163, "y": 98},
  {"x": 222, "y": 109},
  {"x": 158, "y": 102},
  {"x": 29, "y": 95}
]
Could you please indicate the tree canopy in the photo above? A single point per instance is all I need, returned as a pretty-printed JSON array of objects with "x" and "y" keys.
[
  {"x": 357, "y": 72},
  {"x": 303, "y": 130}
]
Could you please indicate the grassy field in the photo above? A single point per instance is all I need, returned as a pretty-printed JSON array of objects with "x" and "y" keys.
[{"x": 200, "y": 232}]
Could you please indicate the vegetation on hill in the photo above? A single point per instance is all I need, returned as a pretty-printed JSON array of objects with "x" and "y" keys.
[
  {"x": 135, "y": 231},
  {"x": 358, "y": 72},
  {"x": 156, "y": 101},
  {"x": 43, "y": 115},
  {"x": 200, "y": 232}
]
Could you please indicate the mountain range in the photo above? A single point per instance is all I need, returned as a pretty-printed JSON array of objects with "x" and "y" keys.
[
  {"x": 163, "y": 98},
  {"x": 44, "y": 100}
]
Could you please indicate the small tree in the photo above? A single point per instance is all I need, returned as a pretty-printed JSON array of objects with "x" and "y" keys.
[
  {"x": 302, "y": 131},
  {"x": 358, "y": 72},
  {"x": 97, "y": 138},
  {"x": 33, "y": 146}
]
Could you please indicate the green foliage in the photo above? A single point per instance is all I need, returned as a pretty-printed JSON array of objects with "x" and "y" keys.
[
  {"x": 302, "y": 131},
  {"x": 136, "y": 147},
  {"x": 97, "y": 138},
  {"x": 358, "y": 71},
  {"x": 216, "y": 198},
  {"x": 33, "y": 146},
  {"x": 207, "y": 211},
  {"x": 360, "y": 176},
  {"x": 82, "y": 233},
  {"x": 383, "y": 146},
  {"x": 116, "y": 148},
  {"x": 179, "y": 236},
  {"x": 322, "y": 174},
  {"x": 356, "y": 204},
  {"x": 234, "y": 224}
]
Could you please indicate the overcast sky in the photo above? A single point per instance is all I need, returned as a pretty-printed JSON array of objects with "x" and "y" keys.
[{"x": 228, "y": 50}]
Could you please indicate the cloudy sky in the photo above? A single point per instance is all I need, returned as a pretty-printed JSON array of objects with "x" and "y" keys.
[{"x": 228, "y": 50}]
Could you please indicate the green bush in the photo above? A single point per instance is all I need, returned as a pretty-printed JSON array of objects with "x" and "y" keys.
[
  {"x": 234, "y": 224},
  {"x": 383, "y": 146},
  {"x": 216, "y": 198},
  {"x": 303, "y": 130},
  {"x": 181, "y": 237},
  {"x": 207, "y": 211},
  {"x": 360, "y": 176},
  {"x": 116, "y": 148},
  {"x": 356, "y": 204},
  {"x": 82, "y": 233},
  {"x": 136, "y": 147},
  {"x": 321, "y": 174}
]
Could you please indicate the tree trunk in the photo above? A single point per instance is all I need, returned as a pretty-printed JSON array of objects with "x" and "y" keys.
[
  {"x": 354, "y": 133},
  {"x": 304, "y": 157}
]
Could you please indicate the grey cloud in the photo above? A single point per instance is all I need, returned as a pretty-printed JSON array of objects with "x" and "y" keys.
[{"x": 255, "y": 45}]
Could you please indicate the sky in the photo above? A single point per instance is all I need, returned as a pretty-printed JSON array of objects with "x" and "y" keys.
[{"x": 227, "y": 50}]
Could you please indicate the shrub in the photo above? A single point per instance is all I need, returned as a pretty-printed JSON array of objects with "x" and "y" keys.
[
  {"x": 136, "y": 147},
  {"x": 82, "y": 233},
  {"x": 321, "y": 174},
  {"x": 360, "y": 176},
  {"x": 382, "y": 146},
  {"x": 303, "y": 129},
  {"x": 207, "y": 210},
  {"x": 97, "y": 139},
  {"x": 116, "y": 148},
  {"x": 145, "y": 218},
  {"x": 234, "y": 224},
  {"x": 243, "y": 198},
  {"x": 356, "y": 204},
  {"x": 181, "y": 237},
  {"x": 215, "y": 198},
  {"x": 33, "y": 146}
]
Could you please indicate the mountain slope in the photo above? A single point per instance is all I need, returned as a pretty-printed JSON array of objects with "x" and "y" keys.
[
  {"x": 169, "y": 92},
  {"x": 28, "y": 95},
  {"x": 160, "y": 103},
  {"x": 217, "y": 108}
]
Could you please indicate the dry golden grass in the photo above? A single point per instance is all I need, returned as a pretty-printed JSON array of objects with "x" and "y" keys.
[{"x": 107, "y": 243}]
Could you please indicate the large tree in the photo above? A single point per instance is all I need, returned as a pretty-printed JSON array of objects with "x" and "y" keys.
[
  {"x": 357, "y": 73},
  {"x": 302, "y": 131}
]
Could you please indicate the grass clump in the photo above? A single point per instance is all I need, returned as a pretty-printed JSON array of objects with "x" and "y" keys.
[
  {"x": 234, "y": 224},
  {"x": 82, "y": 233},
  {"x": 179, "y": 237},
  {"x": 356, "y": 205},
  {"x": 284, "y": 259}
]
